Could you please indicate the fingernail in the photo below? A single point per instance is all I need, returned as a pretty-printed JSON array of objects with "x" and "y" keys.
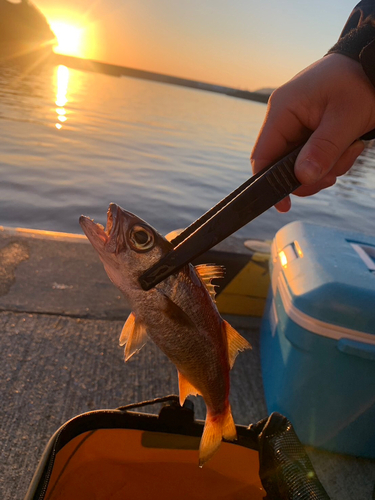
[{"x": 308, "y": 171}]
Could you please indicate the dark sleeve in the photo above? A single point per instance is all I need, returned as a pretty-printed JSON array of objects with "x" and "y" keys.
[{"x": 357, "y": 39}]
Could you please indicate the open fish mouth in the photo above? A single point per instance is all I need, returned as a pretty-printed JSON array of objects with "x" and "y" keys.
[
  {"x": 96, "y": 232},
  {"x": 111, "y": 217},
  {"x": 115, "y": 237},
  {"x": 112, "y": 220},
  {"x": 112, "y": 238}
]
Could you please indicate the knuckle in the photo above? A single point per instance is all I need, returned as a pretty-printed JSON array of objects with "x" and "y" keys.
[
  {"x": 325, "y": 150},
  {"x": 276, "y": 97}
]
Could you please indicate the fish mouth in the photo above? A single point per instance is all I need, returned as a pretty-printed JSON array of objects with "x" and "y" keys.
[
  {"x": 94, "y": 231},
  {"x": 99, "y": 236},
  {"x": 112, "y": 218},
  {"x": 115, "y": 239}
]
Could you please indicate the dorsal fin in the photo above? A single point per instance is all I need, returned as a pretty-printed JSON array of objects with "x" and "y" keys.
[
  {"x": 235, "y": 341},
  {"x": 208, "y": 272},
  {"x": 186, "y": 388},
  {"x": 134, "y": 335}
]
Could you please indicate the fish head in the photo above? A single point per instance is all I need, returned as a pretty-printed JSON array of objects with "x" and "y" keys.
[{"x": 127, "y": 247}]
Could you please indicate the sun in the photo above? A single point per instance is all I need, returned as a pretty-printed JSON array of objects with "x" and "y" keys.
[{"x": 69, "y": 38}]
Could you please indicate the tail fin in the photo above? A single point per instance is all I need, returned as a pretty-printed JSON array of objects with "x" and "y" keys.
[{"x": 216, "y": 427}]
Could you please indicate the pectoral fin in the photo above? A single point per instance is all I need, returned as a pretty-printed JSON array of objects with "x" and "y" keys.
[
  {"x": 236, "y": 342},
  {"x": 186, "y": 388},
  {"x": 209, "y": 272},
  {"x": 176, "y": 314},
  {"x": 134, "y": 335},
  {"x": 127, "y": 329}
]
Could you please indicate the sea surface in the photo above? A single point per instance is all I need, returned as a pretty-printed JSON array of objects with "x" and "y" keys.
[{"x": 71, "y": 142}]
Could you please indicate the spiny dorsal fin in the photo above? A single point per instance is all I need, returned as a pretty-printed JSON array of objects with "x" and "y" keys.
[
  {"x": 186, "y": 388},
  {"x": 134, "y": 335},
  {"x": 235, "y": 341},
  {"x": 208, "y": 272}
]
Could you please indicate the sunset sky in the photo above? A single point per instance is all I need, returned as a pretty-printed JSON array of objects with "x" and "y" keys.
[{"x": 240, "y": 43}]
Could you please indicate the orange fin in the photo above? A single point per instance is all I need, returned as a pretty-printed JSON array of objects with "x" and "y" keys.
[
  {"x": 235, "y": 341},
  {"x": 173, "y": 234},
  {"x": 134, "y": 335},
  {"x": 215, "y": 428},
  {"x": 186, "y": 388},
  {"x": 209, "y": 272},
  {"x": 127, "y": 329}
]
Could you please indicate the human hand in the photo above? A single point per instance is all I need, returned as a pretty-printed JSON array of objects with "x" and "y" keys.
[{"x": 330, "y": 105}]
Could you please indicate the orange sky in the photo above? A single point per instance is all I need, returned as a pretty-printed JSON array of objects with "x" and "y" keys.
[{"x": 241, "y": 43}]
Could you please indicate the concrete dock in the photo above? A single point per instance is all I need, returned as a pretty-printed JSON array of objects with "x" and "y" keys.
[{"x": 60, "y": 319}]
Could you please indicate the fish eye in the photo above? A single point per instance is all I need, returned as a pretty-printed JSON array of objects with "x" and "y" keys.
[{"x": 141, "y": 238}]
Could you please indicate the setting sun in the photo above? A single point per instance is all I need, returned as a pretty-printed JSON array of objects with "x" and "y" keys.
[{"x": 69, "y": 38}]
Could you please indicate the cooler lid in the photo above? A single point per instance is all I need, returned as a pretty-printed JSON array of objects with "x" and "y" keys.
[{"x": 326, "y": 279}]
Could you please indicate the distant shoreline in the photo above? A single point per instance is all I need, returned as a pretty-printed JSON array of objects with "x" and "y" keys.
[{"x": 114, "y": 70}]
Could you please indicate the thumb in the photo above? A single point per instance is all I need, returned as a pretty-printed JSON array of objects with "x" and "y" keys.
[{"x": 324, "y": 147}]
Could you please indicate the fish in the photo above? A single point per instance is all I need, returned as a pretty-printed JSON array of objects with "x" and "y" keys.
[{"x": 179, "y": 315}]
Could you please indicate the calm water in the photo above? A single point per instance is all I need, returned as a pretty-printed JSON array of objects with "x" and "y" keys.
[{"x": 71, "y": 142}]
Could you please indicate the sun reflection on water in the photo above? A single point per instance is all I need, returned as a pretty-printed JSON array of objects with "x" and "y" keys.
[{"x": 62, "y": 81}]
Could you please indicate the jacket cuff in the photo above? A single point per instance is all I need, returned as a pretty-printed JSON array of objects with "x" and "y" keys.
[
  {"x": 357, "y": 41},
  {"x": 354, "y": 42}
]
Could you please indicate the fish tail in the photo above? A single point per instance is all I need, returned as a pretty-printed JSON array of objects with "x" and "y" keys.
[{"x": 216, "y": 427}]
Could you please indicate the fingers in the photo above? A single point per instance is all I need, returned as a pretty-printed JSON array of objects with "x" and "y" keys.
[
  {"x": 324, "y": 157},
  {"x": 280, "y": 133},
  {"x": 284, "y": 205},
  {"x": 347, "y": 159},
  {"x": 334, "y": 100},
  {"x": 327, "y": 181},
  {"x": 343, "y": 164},
  {"x": 325, "y": 147}
]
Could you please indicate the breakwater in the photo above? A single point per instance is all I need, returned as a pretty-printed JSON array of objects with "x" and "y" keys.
[{"x": 115, "y": 70}]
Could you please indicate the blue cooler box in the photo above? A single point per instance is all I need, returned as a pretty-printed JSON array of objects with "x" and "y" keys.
[{"x": 318, "y": 336}]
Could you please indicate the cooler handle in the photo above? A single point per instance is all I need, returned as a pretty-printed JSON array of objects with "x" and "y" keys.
[{"x": 356, "y": 348}]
